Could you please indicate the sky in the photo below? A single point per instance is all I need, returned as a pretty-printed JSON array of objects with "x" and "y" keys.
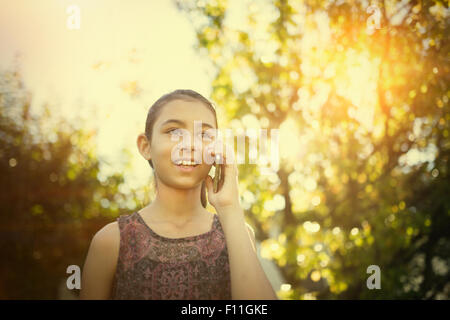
[
  {"x": 107, "y": 73},
  {"x": 89, "y": 70},
  {"x": 93, "y": 71}
]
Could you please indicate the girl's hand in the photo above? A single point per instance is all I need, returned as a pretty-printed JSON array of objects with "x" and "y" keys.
[{"x": 227, "y": 195}]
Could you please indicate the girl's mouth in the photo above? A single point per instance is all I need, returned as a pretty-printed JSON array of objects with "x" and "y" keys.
[{"x": 186, "y": 167}]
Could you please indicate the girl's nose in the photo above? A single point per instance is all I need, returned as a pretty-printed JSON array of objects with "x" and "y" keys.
[{"x": 192, "y": 152}]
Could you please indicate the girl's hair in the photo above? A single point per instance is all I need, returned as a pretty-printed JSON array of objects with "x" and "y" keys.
[{"x": 155, "y": 110}]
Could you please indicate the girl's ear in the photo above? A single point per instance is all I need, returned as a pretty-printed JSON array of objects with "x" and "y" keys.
[{"x": 143, "y": 146}]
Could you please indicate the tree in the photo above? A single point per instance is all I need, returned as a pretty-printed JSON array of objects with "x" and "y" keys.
[
  {"x": 52, "y": 196},
  {"x": 364, "y": 175}
]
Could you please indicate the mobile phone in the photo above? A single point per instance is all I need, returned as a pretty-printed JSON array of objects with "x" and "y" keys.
[{"x": 217, "y": 175}]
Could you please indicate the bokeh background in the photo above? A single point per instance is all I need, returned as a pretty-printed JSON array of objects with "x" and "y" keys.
[{"x": 358, "y": 89}]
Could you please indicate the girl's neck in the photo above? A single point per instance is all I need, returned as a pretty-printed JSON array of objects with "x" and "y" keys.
[{"x": 176, "y": 205}]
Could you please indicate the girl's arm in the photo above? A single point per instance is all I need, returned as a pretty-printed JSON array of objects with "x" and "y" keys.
[
  {"x": 248, "y": 280},
  {"x": 100, "y": 264}
]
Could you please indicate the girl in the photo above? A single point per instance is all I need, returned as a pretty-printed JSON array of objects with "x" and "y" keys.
[{"x": 174, "y": 248}]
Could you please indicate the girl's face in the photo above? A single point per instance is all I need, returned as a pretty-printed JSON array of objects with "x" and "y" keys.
[{"x": 173, "y": 139}]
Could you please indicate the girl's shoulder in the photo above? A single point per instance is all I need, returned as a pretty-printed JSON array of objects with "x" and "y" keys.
[
  {"x": 110, "y": 233},
  {"x": 108, "y": 236}
]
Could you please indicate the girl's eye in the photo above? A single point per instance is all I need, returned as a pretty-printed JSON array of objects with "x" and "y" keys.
[
  {"x": 177, "y": 131},
  {"x": 174, "y": 131},
  {"x": 206, "y": 135}
]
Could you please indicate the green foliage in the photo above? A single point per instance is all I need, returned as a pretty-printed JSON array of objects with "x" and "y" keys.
[
  {"x": 51, "y": 199},
  {"x": 380, "y": 193}
]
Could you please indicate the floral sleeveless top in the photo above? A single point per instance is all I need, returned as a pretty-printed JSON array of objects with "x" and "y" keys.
[{"x": 154, "y": 267}]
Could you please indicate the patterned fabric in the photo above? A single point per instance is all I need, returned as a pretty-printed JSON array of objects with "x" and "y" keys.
[{"x": 154, "y": 267}]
